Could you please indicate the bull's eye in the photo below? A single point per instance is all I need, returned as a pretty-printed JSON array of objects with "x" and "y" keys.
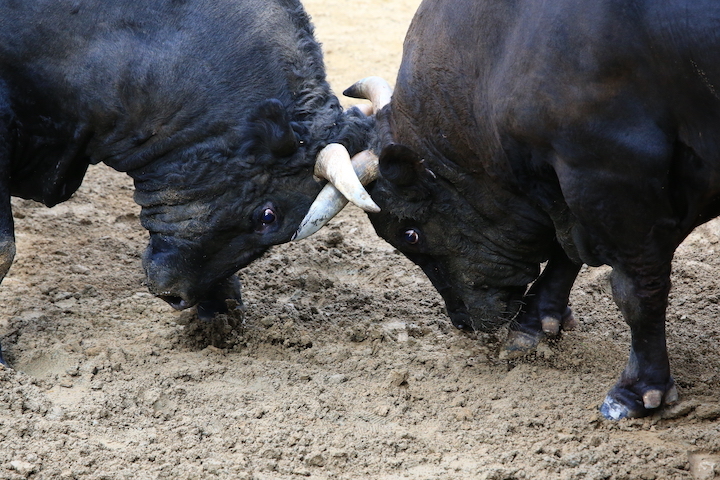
[
  {"x": 411, "y": 236},
  {"x": 268, "y": 216}
]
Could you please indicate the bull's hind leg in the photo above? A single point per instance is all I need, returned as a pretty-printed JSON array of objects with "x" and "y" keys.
[
  {"x": 7, "y": 235},
  {"x": 546, "y": 309},
  {"x": 639, "y": 247},
  {"x": 629, "y": 212}
]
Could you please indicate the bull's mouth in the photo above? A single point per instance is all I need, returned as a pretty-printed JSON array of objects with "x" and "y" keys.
[
  {"x": 457, "y": 310},
  {"x": 461, "y": 319},
  {"x": 178, "y": 303},
  {"x": 481, "y": 318},
  {"x": 185, "y": 288}
]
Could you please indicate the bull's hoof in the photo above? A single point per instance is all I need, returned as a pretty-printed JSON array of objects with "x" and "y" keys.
[
  {"x": 551, "y": 326},
  {"x": 614, "y": 410},
  {"x": 225, "y": 296},
  {"x": 518, "y": 344},
  {"x": 208, "y": 310},
  {"x": 621, "y": 403}
]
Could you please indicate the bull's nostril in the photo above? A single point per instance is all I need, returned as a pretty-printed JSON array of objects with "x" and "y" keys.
[{"x": 178, "y": 303}]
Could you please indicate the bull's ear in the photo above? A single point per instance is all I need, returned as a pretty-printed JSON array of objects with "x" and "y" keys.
[
  {"x": 273, "y": 130},
  {"x": 400, "y": 165}
]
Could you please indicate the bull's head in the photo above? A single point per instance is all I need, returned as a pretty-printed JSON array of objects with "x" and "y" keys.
[
  {"x": 462, "y": 238},
  {"x": 470, "y": 250},
  {"x": 204, "y": 227}
]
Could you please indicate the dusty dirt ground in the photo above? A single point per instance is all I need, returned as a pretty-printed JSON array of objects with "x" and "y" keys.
[{"x": 344, "y": 366}]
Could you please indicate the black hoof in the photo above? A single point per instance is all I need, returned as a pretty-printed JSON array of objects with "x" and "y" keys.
[
  {"x": 613, "y": 409},
  {"x": 225, "y": 292},
  {"x": 207, "y": 311},
  {"x": 622, "y": 403}
]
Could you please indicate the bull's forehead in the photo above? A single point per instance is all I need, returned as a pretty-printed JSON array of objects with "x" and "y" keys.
[
  {"x": 236, "y": 214},
  {"x": 463, "y": 243}
]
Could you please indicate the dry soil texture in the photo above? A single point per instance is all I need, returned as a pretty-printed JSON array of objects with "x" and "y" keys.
[{"x": 344, "y": 365}]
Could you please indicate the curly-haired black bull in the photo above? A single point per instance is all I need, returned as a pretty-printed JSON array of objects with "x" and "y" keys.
[
  {"x": 216, "y": 108},
  {"x": 567, "y": 131}
]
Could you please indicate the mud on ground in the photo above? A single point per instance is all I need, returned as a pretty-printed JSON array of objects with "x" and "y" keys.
[{"x": 344, "y": 365}]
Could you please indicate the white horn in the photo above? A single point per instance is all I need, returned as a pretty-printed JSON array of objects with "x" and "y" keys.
[
  {"x": 330, "y": 201},
  {"x": 366, "y": 109},
  {"x": 333, "y": 164},
  {"x": 375, "y": 89}
]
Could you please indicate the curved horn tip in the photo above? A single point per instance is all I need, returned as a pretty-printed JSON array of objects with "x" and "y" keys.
[
  {"x": 306, "y": 230},
  {"x": 327, "y": 204},
  {"x": 366, "y": 203},
  {"x": 354, "y": 90},
  {"x": 360, "y": 88}
]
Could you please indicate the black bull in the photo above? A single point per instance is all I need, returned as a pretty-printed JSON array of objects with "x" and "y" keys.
[
  {"x": 565, "y": 131},
  {"x": 216, "y": 109}
]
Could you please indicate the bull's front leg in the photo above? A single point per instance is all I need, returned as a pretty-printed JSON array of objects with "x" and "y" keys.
[
  {"x": 546, "y": 309},
  {"x": 7, "y": 240},
  {"x": 645, "y": 384},
  {"x": 7, "y": 228},
  {"x": 7, "y": 243},
  {"x": 217, "y": 302},
  {"x": 7, "y": 236},
  {"x": 7, "y": 246}
]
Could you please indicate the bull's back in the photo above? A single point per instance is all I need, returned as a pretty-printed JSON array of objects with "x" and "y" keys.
[
  {"x": 89, "y": 49},
  {"x": 481, "y": 71},
  {"x": 121, "y": 81}
]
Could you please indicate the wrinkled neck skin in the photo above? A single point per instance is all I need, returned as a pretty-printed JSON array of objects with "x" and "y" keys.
[
  {"x": 202, "y": 205},
  {"x": 485, "y": 238},
  {"x": 214, "y": 185}
]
